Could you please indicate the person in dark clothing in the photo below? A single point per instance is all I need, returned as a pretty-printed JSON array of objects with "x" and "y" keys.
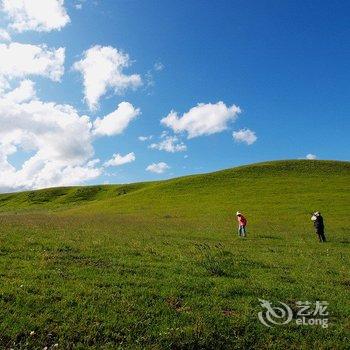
[{"x": 319, "y": 226}]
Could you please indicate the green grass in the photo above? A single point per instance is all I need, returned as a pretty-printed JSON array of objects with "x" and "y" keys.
[{"x": 159, "y": 265}]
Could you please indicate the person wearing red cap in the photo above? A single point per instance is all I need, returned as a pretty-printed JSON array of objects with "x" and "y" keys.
[{"x": 242, "y": 223}]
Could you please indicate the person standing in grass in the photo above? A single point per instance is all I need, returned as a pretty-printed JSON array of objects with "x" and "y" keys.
[
  {"x": 242, "y": 223},
  {"x": 319, "y": 226}
]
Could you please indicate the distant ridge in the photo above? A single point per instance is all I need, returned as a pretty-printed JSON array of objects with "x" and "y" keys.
[{"x": 226, "y": 180}]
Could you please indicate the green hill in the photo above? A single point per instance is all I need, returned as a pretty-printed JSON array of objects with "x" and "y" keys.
[{"x": 159, "y": 265}]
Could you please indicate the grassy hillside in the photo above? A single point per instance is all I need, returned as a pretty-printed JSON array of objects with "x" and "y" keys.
[{"x": 159, "y": 265}]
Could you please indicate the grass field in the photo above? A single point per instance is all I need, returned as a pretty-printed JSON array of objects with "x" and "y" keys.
[{"x": 159, "y": 265}]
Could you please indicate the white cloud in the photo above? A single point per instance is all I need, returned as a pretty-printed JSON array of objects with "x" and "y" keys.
[
  {"x": 78, "y": 6},
  {"x": 158, "y": 66},
  {"x": 24, "y": 92},
  {"x": 4, "y": 35},
  {"x": 102, "y": 69},
  {"x": 245, "y": 135},
  {"x": 116, "y": 122},
  {"x": 118, "y": 159},
  {"x": 145, "y": 138},
  {"x": 93, "y": 162},
  {"x": 158, "y": 168},
  {"x": 38, "y": 15},
  {"x": 149, "y": 80},
  {"x": 203, "y": 119},
  {"x": 169, "y": 144},
  {"x": 310, "y": 156},
  {"x": 21, "y": 60},
  {"x": 57, "y": 130},
  {"x": 57, "y": 138}
]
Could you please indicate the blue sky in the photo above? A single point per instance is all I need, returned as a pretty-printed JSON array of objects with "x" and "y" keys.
[{"x": 285, "y": 64}]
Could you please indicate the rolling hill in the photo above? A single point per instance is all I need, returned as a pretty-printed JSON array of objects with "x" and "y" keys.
[{"x": 159, "y": 265}]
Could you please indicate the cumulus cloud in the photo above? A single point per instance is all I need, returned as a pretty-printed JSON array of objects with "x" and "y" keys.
[
  {"x": 310, "y": 156},
  {"x": 203, "y": 119},
  {"x": 4, "y": 35},
  {"x": 24, "y": 92},
  {"x": 245, "y": 136},
  {"x": 118, "y": 159},
  {"x": 38, "y": 15},
  {"x": 169, "y": 144},
  {"x": 21, "y": 60},
  {"x": 58, "y": 139},
  {"x": 102, "y": 68},
  {"x": 158, "y": 168},
  {"x": 57, "y": 131},
  {"x": 116, "y": 122}
]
